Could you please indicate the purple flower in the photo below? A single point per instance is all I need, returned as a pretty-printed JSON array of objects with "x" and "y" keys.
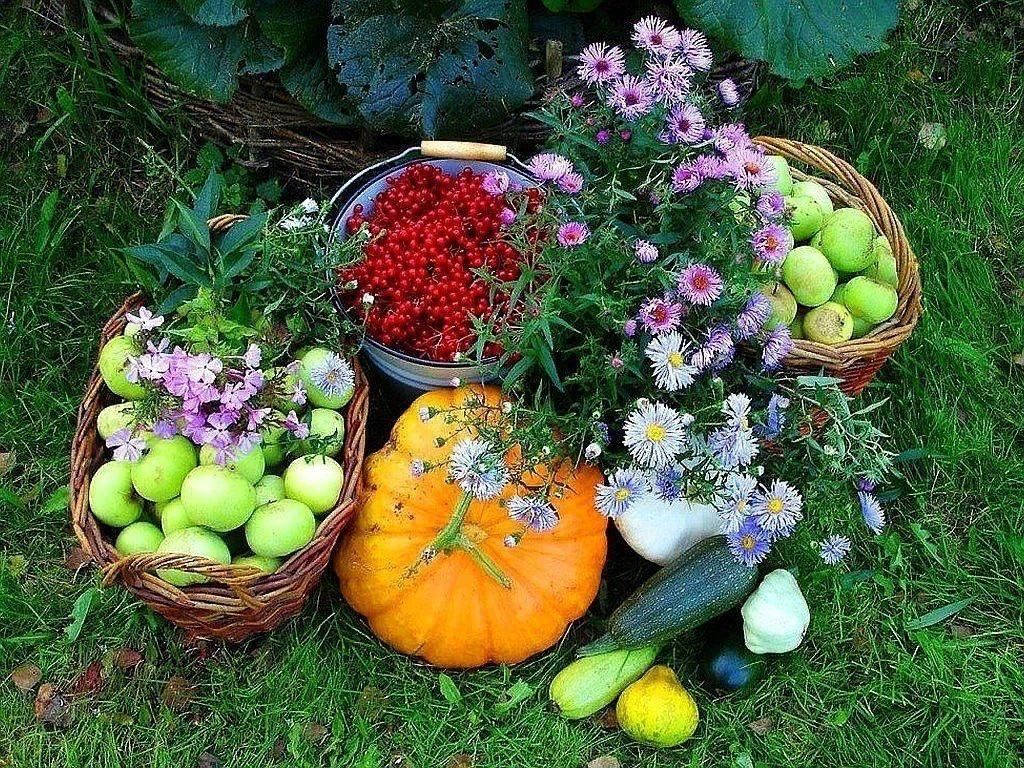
[
  {"x": 771, "y": 243},
  {"x": 151, "y": 366},
  {"x": 578, "y": 100},
  {"x": 143, "y": 320},
  {"x": 297, "y": 428},
  {"x": 252, "y": 356},
  {"x": 600, "y": 63},
  {"x": 729, "y": 92},
  {"x": 507, "y": 216},
  {"x": 603, "y": 136},
  {"x": 532, "y": 511},
  {"x": 164, "y": 429},
  {"x": 750, "y": 545},
  {"x": 778, "y": 343},
  {"x": 660, "y": 315},
  {"x": 717, "y": 351},
  {"x": 754, "y": 316},
  {"x": 699, "y": 284},
  {"x": 617, "y": 495},
  {"x": 871, "y": 510},
  {"x": 572, "y": 234},
  {"x": 668, "y": 483},
  {"x": 776, "y": 417},
  {"x": 256, "y": 417},
  {"x": 629, "y": 328},
  {"x": 729, "y": 137},
  {"x": 495, "y": 183},
  {"x": 777, "y": 508},
  {"x": 548, "y": 166},
  {"x": 126, "y": 447},
  {"x": 253, "y": 380},
  {"x": 750, "y": 168},
  {"x": 298, "y": 395},
  {"x": 655, "y": 35},
  {"x": 686, "y": 178},
  {"x": 668, "y": 79},
  {"x": 771, "y": 205},
  {"x": 218, "y": 431},
  {"x": 685, "y": 125},
  {"x": 203, "y": 368},
  {"x": 693, "y": 47},
  {"x": 630, "y": 97},
  {"x": 834, "y": 549},
  {"x": 235, "y": 396},
  {"x": 711, "y": 167},
  {"x": 645, "y": 251},
  {"x": 571, "y": 183},
  {"x": 625, "y": 135},
  {"x": 733, "y": 445}
]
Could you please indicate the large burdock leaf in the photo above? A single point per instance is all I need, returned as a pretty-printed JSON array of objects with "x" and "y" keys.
[
  {"x": 201, "y": 59},
  {"x": 217, "y": 13},
  {"x": 799, "y": 39}
]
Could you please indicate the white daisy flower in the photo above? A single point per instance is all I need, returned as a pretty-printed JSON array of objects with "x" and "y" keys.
[
  {"x": 532, "y": 511},
  {"x": 333, "y": 376},
  {"x": 617, "y": 495},
  {"x": 655, "y": 433},
  {"x": 733, "y": 502},
  {"x": 668, "y": 356},
  {"x": 778, "y": 507},
  {"x": 478, "y": 469}
]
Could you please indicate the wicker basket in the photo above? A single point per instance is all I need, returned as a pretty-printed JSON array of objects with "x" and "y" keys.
[
  {"x": 855, "y": 361},
  {"x": 237, "y": 602}
]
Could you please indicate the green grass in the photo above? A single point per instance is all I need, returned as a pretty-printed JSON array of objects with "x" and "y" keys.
[{"x": 81, "y": 180}]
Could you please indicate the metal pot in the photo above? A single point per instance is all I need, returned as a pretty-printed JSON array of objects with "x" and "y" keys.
[{"x": 415, "y": 375}]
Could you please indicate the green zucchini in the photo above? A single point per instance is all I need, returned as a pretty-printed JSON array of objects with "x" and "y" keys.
[
  {"x": 702, "y": 583},
  {"x": 590, "y": 684}
]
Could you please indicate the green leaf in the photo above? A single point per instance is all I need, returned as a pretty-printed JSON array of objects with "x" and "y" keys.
[
  {"x": 297, "y": 28},
  {"x": 237, "y": 263},
  {"x": 79, "y": 612},
  {"x": 57, "y": 501},
  {"x": 182, "y": 266},
  {"x": 242, "y": 234},
  {"x": 209, "y": 196},
  {"x": 261, "y": 55},
  {"x": 194, "y": 227},
  {"x": 449, "y": 690},
  {"x": 799, "y": 39},
  {"x": 939, "y": 614},
  {"x": 518, "y": 693},
  {"x": 201, "y": 59},
  {"x": 176, "y": 298},
  {"x": 547, "y": 362},
  {"x": 217, "y": 13},
  {"x": 312, "y": 83}
]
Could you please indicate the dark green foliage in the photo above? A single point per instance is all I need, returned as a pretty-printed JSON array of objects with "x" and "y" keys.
[{"x": 798, "y": 38}]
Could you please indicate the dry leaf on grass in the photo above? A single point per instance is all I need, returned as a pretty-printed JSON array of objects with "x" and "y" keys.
[
  {"x": 206, "y": 760},
  {"x": 607, "y": 719},
  {"x": 178, "y": 693},
  {"x": 604, "y": 761},
  {"x": 461, "y": 760},
  {"x": 26, "y": 677},
  {"x": 762, "y": 726},
  {"x": 90, "y": 681},
  {"x": 76, "y": 559},
  {"x": 52, "y": 707}
]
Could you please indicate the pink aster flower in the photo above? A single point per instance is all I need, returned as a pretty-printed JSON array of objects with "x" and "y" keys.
[
  {"x": 711, "y": 168},
  {"x": 495, "y": 183},
  {"x": 630, "y": 97},
  {"x": 693, "y": 46},
  {"x": 771, "y": 205},
  {"x": 729, "y": 137},
  {"x": 668, "y": 78},
  {"x": 655, "y": 35},
  {"x": 571, "y": 183},
  {"x": 686, "y": 178},
  {"x": 771, "y": 243},
  {"x": 600, "y": 63},
  {"x": 660, "y": 315},
  {"x": 751, "y": 168},
  {"x": 572, "y": 234},
  {"x": 646, "y": 252},
  {"x": 754, "y": 316},
  {"x": 629, "y": 329},
  {"x": 507, "y": 216},
  {"x": 729, "y": 92},
  {"x": 603, "y": 136},
  {"x": 778, "y": 343},
  {"x": 700, "y": 284},
  {"x": 716, "y": 352},
  {"x": 685, "y": 125},
  {"x": 548, "y": 166}
]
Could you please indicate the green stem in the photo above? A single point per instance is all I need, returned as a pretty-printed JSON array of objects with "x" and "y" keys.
[
  {"x": 484, "y": 561},
  {"x": 452, "y": 537}
]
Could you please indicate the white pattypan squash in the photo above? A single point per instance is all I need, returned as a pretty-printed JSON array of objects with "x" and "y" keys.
[
  {"x": 660, "y": 531},
  {"x": 775, "y": 616}
]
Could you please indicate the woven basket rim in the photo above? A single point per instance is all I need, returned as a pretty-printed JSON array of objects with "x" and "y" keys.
[
  {"x": 847, "y": 186},
  {"x": 237, "y": 602}
]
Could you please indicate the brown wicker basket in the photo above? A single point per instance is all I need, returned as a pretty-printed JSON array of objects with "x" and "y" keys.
[
  {"x": 237, "y": 602},
  {"x": 855, "y": 361}
]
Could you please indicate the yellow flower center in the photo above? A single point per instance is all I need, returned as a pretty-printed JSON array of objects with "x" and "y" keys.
[
  {"x": 655, "y": 433},
  {"x": 675, "y": 360},
  {"x": 622, "y": 494},
  {"x": 775, "y": 506},
  {"x": 741, "y": 506},
  {"x": 748, "y": 542}
]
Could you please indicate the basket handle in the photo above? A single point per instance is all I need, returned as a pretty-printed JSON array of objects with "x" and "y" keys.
[
  {"x": 236, "y": 577},
  {"x": 464, "y": 150}
]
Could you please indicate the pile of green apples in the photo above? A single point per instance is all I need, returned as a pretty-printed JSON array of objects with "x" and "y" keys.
[
  {"x": 177, "y": 499},
  {"x": 840, "y": 279}
]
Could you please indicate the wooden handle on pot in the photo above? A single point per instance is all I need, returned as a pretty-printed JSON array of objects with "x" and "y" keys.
[{"x": 464, "y": 150}]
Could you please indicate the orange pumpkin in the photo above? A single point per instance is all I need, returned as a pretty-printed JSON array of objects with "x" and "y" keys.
[{"x": 434, "y": 573}]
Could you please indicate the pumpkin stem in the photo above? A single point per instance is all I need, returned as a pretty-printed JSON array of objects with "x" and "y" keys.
[{"x": 452, "y": 537}]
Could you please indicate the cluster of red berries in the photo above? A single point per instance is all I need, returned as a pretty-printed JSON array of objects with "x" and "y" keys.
[{"x": 419, "y": 284}]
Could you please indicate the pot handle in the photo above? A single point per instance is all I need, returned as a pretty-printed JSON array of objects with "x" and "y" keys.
[{"x": 464, "y": 150}]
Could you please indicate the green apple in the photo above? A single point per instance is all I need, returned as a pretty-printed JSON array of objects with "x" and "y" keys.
[
  {"x": 796, "y": 328},
  {"x": 315, "y": 481},
  {"x": 883, "y": 264},
  {"x": 249, "y": 465},
  {"x": 783, "y": 304},
  {"x": 114, "y": 418},
  {"x": 217, "y": 497},
  {"x": 831, "y": 323},
  {"x": 269, "y": 488},
  {"x": 260, "y": 562},
  {"x": 274, "y": 442},
  {"x": 809, "y": 276},
  {"x": 814, "y": 190},
  {"x": 157, "y": 476},
  {"x": 138, "y": 537},
  {"x": 870, "y": 300},
  {"x": 192, "y": 541},
  {"x": 837, "y": 294},
  {"x": 326, "y": 433},
  {"x": 861, "y": 328},
  {"x": 280, "y": 528},
  {"x": 783, "y": 177},
  {"x": 113, "y": 362},
  {"x": 112, "y": 498},
  {"x": 847, "y": 240},
  {"x": 327, "y": 377},
  {"x": 173, "y": 517},
  {"x": 806, "y": 216}
]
